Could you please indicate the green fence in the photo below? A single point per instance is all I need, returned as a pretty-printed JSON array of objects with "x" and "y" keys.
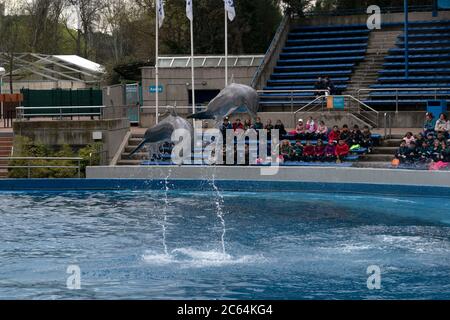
[{"x": 40, "y": 99}]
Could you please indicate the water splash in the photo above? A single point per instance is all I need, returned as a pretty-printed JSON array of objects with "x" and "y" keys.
[
  {"x": 165, "y": 209},
  {"x": 219, "y": 210}
]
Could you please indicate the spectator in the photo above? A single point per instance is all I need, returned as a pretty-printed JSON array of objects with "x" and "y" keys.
[
  {"x": 308, "y": 152},
  {"x": 411, "y": 155},
  {"x": 442, "y": 124},
  {"x": 355, "y": 136},
  {"x": 446, "y": 152},
  {"x": 424, "y": 152},
  {"x": 430, "y": 138},
  {"x": 237, "y": 125},
  {"x": 409, "y": 137},
  {"x": 367, "y": 141},
  {"x": 286, "y": 150},
  {"x": 441, "y": 137},
  {"x": 402, "y": 152},
  {"x": 419, "y": 139},
  {"x": 258, "y": 125},
  {"x": 322, "y": 130},
  {"x": 248, "y": 124},
  {"x": 429, "y": 124},
  {"x": 300, "y": 130},
  {"x": 342, "y": 150},
  {"x": 330, "y": 152},
  {"x": 269, "y": 125},
  {"x": 280, "y": 126},
  {"x": 226, "y": 125},
  {"x": 345, "y": 134},
  {"x": 329, "y": 85},
  {"x": 436, "y": 151},
  {"x": 320, "y": 85},
  {"x": 297, "y": 151},
  {"x": 319, "y": 151},
  {"x": 334, "y": 135},
  {"x": 311, "y": 128}
]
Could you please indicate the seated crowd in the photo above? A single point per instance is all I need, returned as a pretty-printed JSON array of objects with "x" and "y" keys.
[
  {"x": 313, "y": 140},
  {"x": 428, "y": 147}
]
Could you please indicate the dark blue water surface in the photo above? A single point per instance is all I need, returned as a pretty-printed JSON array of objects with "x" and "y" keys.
[{"x": 277, "y": 245}]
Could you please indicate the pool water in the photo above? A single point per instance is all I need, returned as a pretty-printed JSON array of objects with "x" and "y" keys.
[{"x": 222, "y": 245}]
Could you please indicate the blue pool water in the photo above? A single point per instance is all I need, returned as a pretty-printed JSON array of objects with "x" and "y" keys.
[{"x": 275, "y": 245}]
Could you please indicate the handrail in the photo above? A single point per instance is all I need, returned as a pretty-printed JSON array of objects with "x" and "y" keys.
[
  {"x": 397, "y": 90},
  {"x": 29, "y": 166},
  {"x": 21, "y": 111},
  {"x": 307, "y": 105}
]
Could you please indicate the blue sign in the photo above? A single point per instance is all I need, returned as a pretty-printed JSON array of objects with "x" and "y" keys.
[
  {"x": 339, "y": 103},
  {"x": 444, "y": 4},
  {"x": 153, "y": 89}
]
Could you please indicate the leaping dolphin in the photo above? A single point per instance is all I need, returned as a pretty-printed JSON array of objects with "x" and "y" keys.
[
  {"x": 228, "y": 101},
  {"x": 162, "y": 132}
]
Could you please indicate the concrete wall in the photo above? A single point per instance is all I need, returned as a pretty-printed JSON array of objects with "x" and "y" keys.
[
  {"x": 75, "y": 133},
  {"x": 299, "y": 174}
]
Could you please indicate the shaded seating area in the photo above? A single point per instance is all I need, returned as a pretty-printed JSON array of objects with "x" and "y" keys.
[
  {"x": 429, "y": 69},
  {"x": 311, "y": 52}
]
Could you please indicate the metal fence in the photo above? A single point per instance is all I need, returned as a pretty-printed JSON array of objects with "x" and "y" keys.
[{"x": 30, "y": 166}]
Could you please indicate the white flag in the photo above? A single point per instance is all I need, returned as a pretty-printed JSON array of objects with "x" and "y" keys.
[
  {"x": 161, "y": 15},
  {"x": 229, "y": 6},
  {"x": 189, "y": 13}
]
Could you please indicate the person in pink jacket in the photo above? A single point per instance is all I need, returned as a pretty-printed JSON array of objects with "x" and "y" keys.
[{"x": 311, "y": 128}]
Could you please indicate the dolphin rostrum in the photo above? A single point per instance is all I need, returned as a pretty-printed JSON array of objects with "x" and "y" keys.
[
  {"x": 162, "y": 132},
  {"x": 228, "y": 101}
]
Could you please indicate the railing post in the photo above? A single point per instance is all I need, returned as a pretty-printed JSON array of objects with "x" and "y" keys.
[
  {"x": 29, "y": 169},
  {"x": 60, "y": 113},
  {"x": 396, "y": 101},
  {"x": 79, "y": 169},
  {"x": 292, "y": 101},
  {"x": 385, "y": 125}
]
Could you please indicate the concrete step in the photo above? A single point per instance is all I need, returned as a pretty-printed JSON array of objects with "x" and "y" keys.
[
  {"x": 377, "y": 158},
  {"x": 368, "y": 164},
  {"x": 129, "y": 162},
  {"x": 384, "y": 150},
  {"x": 392, "y": 143}
]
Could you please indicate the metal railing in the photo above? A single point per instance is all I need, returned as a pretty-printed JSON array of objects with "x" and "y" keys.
[
  {"x": 60, "y": 112},
  {"x": 398, "y": 94},
  {"x": 363, "y": 112},
  {"x": 387, "y": 126},
  {"x": 291, "y": 95},
  {"x": 29, "y": 165}
]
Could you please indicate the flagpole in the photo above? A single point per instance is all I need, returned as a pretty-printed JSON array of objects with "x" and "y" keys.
[
  {"x": 226, "y": 47},
  {"x": 192, "y": 62},
  {"x": 156, "y": 63}
]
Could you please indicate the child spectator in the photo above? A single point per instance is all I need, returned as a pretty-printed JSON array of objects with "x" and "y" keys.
[
  {"x": 424, "y": 152},
  {"x": 441, "y": 137},
  {"x": 226, "y": 125},
  {"x": 269, "y": 125},
  {"x": 297, "y": 151},
  {"x": 446, "y": 152},
  {"x": 419, "y": 140},
  {"x": 334, "y": 134},
  {"x": 345, "y": 133},
  {"x": 237, "y": 125},
  {"x": 367, "y": 141},
  {"x": 300, "y": 130},
  {"x": 308, "y": 152},
  {"x": 330, "y": 152},
  {"x": 342, "y": 150},
  {"x": 286, "y": 150},
  {"x": 430, "y": 139},
  {"x": 355, "y": 137},
  {"x": 280, "y": 126},
  {"x": 319, "y": 151},
  {"x": 409, "y": 137},
  {"x": 411, "y": 155},
  {"x": 436, "y": 151},
  {"x": 248, "y": 124},
  {"x": 258, "y": 125},
  {"x": 429, "y": 124},
  {"x": 311, "y": 128},
  {"x": 322, "y": 130},
  {"x": 402, "y": 152}
]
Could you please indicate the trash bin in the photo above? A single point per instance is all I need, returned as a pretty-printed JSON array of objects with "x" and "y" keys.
[{"x": 436, "y": 107}]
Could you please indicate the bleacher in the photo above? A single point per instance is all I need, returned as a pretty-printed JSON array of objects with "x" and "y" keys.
[
  {"x": 429, "y": 69},
  {"x": 310, "y": 52}
]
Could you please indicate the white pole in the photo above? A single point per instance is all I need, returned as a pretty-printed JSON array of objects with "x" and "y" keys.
[
  {"x": 156, "y": 63},
  {"x": 192, "y": 64},
  {"x": 226, "y": 47}
]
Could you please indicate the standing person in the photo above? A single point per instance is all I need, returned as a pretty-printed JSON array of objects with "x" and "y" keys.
[
  {"x": 342, "y": 150},
  {"x": 329, "y": 85},
  {"x": 319, "y": 85}
]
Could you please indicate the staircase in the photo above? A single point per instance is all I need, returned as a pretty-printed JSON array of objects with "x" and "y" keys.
[
  {"x": 382, "y": 156},
  {"x": 133, "y": 142},
  {"x": 366, "y": 73},
  {"x": 6, "y": 144}
]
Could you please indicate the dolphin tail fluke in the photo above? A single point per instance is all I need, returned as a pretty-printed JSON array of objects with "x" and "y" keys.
[
  {"x": 139, "y": 147},
  {"x": 201, "y": 116}
]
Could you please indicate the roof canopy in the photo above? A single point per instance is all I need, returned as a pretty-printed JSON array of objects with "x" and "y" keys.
[{"x": 33, "y": 66}]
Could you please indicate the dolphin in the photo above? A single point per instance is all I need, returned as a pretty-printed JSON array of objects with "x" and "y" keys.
[
  {"x": 228, "y": 101},
  {"x": 162, "y": 132}
]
